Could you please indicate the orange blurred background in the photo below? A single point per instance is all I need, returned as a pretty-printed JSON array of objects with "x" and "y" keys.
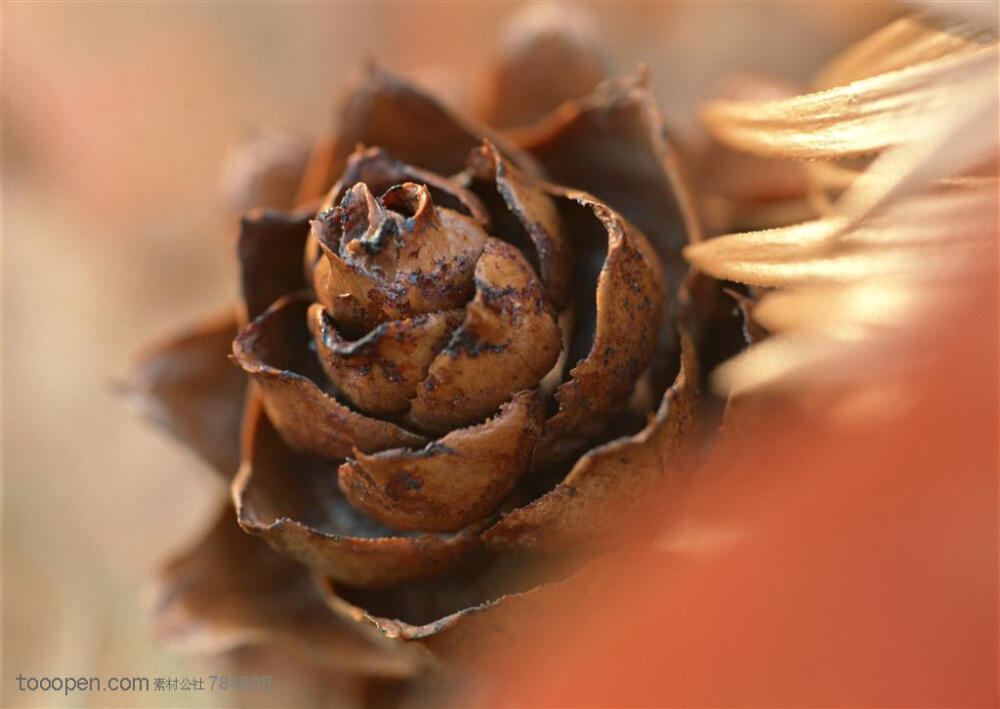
[
  {"x": 843, "y": 562},
  {"x": 118, "y": 119}
]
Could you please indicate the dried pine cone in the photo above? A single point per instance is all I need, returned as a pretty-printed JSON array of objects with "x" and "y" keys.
[{"x": 465, "y": 363}]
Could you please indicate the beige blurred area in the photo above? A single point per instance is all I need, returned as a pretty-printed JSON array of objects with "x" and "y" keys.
[{"x": 117, "y": 121}]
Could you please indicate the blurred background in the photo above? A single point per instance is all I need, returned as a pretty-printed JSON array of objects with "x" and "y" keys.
[{"x": 118, "y": 120}]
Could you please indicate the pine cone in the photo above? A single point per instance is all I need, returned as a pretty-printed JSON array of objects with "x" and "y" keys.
[{"x": 467, "y": 364}]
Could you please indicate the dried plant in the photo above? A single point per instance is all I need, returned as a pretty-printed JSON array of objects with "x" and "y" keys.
[
  {"x": 461, "y": 359},
  {"x": 472, "y": 352},
  {"x": 900, "y": 139}
]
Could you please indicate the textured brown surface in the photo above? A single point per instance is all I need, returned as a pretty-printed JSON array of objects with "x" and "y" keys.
[
  {"x": 458, "y": 638},
  {"x": 271, "y": 349},
  {"x": 269, "y": 249},
  {"x": 604, "y": 484},
  {"x": 293, "y": 501},
  {"x": 452, "y": 482},
  {"x": 613, "y": 144},
  {"x": 626, "y": 311},
  {"x": 379, "y": 372},
  {"x": 388, "y": 111},
  {"x": 393, "y": 255},
  {"x": 536, "y": 212},
  {"x": 186, "y": 386},
  {"x": 232, "y": 591},
  {"x": 508, "y": 340}
]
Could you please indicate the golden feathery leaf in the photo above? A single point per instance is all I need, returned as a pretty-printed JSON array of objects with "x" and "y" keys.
[
  {"x": 957, "y": 140},
  {"x": 839, "y": 249},
  {"x": 864, "y": 116},
  {"x": 840, "y": 311},
  {"x": 780, "y": 360},
  {"x": 910, "y": 226},
  {"x": 905, "y": 42}
]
